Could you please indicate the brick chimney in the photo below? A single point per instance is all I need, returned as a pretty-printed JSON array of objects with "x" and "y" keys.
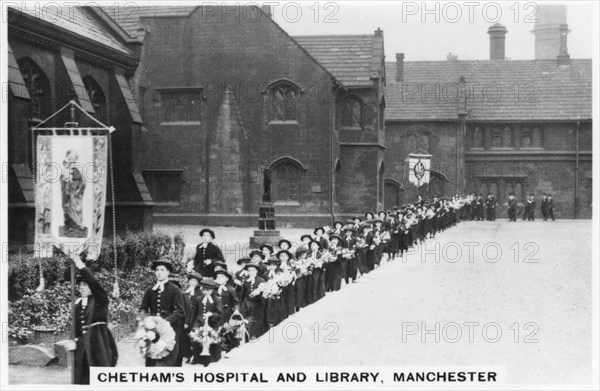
[
  {"x": 563, "y": 57},
  {"x": 497, "y": 33},
  {"x": 399, "y": 66}
]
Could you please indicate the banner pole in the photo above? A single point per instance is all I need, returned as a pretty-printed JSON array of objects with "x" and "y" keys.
[{"x": 73, "y": 320}]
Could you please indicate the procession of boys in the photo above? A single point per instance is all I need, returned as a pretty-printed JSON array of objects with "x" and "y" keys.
[{"x": 220, "y": 309}]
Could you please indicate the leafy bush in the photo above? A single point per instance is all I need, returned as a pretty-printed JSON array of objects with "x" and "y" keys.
[{"x": 51, "y": 308}]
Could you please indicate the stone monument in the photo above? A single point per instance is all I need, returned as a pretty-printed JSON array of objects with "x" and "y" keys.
[{"x": 266, "y": 233}]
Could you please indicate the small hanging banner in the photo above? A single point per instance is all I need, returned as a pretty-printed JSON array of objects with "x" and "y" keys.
[
  {"x": 418, "y": 168},
  {"x": 70, "y": 193}
]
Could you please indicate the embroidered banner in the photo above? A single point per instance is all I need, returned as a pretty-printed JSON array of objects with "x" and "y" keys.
[
  {"x": 418, "y": 168},
  {"x": 70, "y": 193}
]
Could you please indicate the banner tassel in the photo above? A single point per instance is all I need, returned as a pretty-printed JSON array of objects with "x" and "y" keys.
[{"x": 42, "y": 286}]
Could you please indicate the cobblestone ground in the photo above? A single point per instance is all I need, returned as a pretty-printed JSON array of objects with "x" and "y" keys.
[{"x": 525, "y": 286}]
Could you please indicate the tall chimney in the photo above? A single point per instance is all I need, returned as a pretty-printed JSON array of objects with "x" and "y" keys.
[
  {"x": 563, "y": 57},
  {"x": 547, "y": 30},
  {"x": 399, "y": 66},
  {"x": 497, "y": 33}
]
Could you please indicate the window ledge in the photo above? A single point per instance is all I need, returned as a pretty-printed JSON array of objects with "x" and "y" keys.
[
  {"x": 167, "y": 203},
  {"x": 286, "y": 122},
  {"x": 286, "y": 203},
  {"x": 180, "y": 123},
  {"x": 351, "y": 128}
]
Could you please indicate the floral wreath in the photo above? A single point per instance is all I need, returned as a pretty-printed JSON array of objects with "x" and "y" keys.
[{"x": 156, "y": 337}]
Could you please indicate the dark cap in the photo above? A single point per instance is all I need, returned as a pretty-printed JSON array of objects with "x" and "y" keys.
[
  {"x": 210, "y": 231},
  {"x": 209, "y": 283},
  {"x": 164, "y": 262}
]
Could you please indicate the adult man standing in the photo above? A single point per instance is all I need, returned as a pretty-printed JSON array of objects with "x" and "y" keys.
[
  {"x": 207, "y": 253},
  {"x": 531, "y": 216},
  {"x": 166, "y": 300},
  {"x": 490, "y": 206},
  {"x": 512, "y": 207},
  {"x": 544, "y": 206},
  {"x": 550, "y": 207}
]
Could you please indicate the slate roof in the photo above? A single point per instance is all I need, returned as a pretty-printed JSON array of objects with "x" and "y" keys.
[
  {"x": 545, "y": 90},
  {"x": 352, "y": 59},
  {"x": 129, "y": 19},
  {"x": 78, "y": 20}
]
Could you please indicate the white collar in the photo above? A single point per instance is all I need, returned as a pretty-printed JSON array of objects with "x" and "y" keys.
[
  {"x": 222, "y": 288},
  {"x": 206, "y": 299},
  {"x": 190, "y": 290},
  {"x": 83, "y": 301},
  {"x": 159, "y": 284}
]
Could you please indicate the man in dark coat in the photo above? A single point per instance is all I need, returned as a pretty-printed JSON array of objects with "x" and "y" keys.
[
  {"x": 544, "y": 206},
  {"x": 207, "y": 253},
  {"x": 166, "y": 300},
  {"x": 550, "y": 207},
  {"x": 531, "y": 215},
  {"x": 512, "y": 207},
  {"x": 94, "y": 343}
]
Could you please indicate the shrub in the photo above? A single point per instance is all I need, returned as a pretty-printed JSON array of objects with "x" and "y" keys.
[{"x": 51, "y": 308}]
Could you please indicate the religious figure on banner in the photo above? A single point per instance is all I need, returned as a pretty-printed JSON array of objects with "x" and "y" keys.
[{"x": 72, "y": 186}]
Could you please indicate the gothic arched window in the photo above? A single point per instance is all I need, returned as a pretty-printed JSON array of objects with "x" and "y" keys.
[
  {"x": 283, "y": 100},
  {"x": 97, "y": 98},
  {"x": 39, "y": 88}
]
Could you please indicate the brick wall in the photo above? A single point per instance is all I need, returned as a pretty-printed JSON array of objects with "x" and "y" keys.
[{"x": 214, "y": 54}]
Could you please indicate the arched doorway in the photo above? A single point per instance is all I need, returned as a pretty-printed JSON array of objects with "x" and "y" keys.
[
  {"x": 393, "y": 193},
  {"x": 437, "y": 184}
]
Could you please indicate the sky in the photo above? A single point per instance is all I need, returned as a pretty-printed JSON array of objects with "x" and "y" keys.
[{"x": 459, "y": 27}]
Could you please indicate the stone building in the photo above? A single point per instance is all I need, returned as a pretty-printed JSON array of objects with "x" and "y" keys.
[
  {"x": 58, "y": 54},
  {"x": 495, "y": 126}
]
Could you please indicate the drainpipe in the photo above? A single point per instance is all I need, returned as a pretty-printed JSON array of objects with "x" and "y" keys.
[
  {"x": 576, "y": 203},
  {"x": 331, "y": 152}
]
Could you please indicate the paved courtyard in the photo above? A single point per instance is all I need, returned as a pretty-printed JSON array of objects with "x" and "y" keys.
[{"x": 512, "y": 295}]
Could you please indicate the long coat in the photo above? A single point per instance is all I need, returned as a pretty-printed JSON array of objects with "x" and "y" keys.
[
  {"x": 254, "y": 308},
  {"x": 190, "y": 297},
  {"x": 199, "y": 316},
  {"x": 229, "y": 301},
  {"x": 275, "y": 312},
  {"x": 95, "y": 344},
  {"x": 170, "y": 307},
  {"x": 210, "y": 251}
]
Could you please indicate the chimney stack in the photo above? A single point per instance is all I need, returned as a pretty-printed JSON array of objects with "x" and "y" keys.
[
  {"x": 497, "y": 33},
  {"x": 547, "y": 31},
  {"x": 399, "y": 66},
  {"x": 563, "y": 57}
]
